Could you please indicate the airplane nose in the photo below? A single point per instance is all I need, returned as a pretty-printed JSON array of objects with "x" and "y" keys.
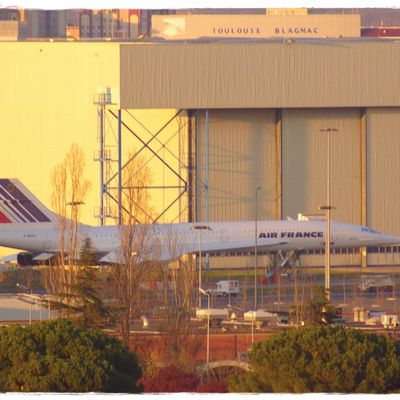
[{"x": 388, "y": 240}]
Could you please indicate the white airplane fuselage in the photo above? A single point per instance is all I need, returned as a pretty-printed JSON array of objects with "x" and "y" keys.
[
  {"x": 211, "y": 237},
  {"x": 27, "y": 224}
]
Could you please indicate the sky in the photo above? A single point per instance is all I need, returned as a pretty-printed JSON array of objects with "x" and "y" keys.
[{"x": 165, "y": 4}]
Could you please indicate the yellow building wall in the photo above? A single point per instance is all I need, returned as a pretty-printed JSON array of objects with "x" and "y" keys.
[{"x": 47, "y": 104}]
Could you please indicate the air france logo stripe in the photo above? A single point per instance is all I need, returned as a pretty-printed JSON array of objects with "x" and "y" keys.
[
  {"x": 7, "y": 207},
  {"x": 8, "y": 200},
  {"x": 4, "y": 219},
  {"x": 27, "y": 203},
  {"x": 21, "y": 208},
  {"x": 7, "y": 213}
]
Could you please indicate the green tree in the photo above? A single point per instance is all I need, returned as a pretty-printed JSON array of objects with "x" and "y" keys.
[
  {"x": 86, "y": 301},
  {"x": 322, "y": 359},
  {"x": 59, "y": 356},
  {"x": 87, "y": 255},
  {"x": 319, "y": 310}
]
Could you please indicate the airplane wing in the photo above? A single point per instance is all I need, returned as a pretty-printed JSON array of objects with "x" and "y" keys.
[
  {"x": 10, "y": 258},
  {"x": 37, "y": 257},
  {"x": 239, "y": 247},
  {"x": 43, "y": 257},
  {"x": 215, "y": 248},
  {"x": 111, "y": 257}
]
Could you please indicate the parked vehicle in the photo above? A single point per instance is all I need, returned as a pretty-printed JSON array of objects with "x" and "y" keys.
[
  {"x": 225, "y": 288},
  {"x": 372, "y": 283}
]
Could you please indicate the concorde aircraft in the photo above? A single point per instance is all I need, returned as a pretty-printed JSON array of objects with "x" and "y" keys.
[{"x": 25, "y": 223}]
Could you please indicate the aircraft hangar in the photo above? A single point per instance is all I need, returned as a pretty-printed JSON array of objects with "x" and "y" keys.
[
  {"x": 260, "y": 113},
  {"x": 255, "y": 114}
]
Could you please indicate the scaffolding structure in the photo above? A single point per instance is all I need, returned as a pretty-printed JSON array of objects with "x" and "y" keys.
[
  {"x": 103, "y": 156},
  {"x": 117, "y": 128}
]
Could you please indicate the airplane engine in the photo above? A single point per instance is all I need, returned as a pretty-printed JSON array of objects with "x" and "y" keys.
[{"x": 26, "y": 258}]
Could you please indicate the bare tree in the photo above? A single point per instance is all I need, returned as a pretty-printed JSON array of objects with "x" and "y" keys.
[
  {"x": 78, "y": 189},
  {"x": 178, "y": 293},
  {"x": 129, "y": 276},
  {"x": 59, "y": 203},
  {"x": 130, "y": 282},
  {"x": 54, "y": 277},
  {"x": 68, "y": 195}
]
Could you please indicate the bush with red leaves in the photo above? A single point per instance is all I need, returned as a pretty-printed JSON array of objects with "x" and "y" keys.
[
  {"x": 214, "y": 386},
  {"x": 170, "y": 379}
]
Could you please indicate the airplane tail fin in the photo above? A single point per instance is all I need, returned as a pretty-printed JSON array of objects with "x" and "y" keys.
[{"x": 19, "y": 206}]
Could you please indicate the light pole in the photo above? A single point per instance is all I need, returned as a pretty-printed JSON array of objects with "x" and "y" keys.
[
  {"x": 327, "y": 208},
  {"x": 255, "y": 251},
  {"x": 200, "y": 228},
  {"x": 131, "y": 260},
  {"x": 202, "y": 291},
  {"x": 252, "y": 326}
]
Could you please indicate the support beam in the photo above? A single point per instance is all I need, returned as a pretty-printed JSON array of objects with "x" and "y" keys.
[
  {"x": 101, "y": 159},
  {"x": 207, "y": 153},
  {"x": 206, "y": 162},
  {"x": 363, "y": 179},
  {"x": 119, "y": 168},
  {"x": 278, "y": 168},
  {"x": 191, "y": 170}
]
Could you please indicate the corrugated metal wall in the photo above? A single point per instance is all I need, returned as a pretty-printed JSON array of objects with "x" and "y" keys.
[
  {"x": 383, "y": 175},
  {"x": 304, "y": 166},
  {"x": 284, "y": 74},
  {"x": 242, "y": 156},
  {"x": 268, "y": 102},
  {"x": 244, "y": 153}
]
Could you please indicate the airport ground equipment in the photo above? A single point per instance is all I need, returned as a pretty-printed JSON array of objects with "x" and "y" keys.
[
  {"x": 375, "y": 282},
  {"x": 225, "y": 288}
]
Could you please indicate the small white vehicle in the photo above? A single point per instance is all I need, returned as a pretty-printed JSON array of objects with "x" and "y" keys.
[
  {"x": 374, "y": 282},
  {"x": 225, "y": 288}
]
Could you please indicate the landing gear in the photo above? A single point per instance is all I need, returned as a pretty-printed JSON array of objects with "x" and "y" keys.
[{"x": 277, "y": 264}]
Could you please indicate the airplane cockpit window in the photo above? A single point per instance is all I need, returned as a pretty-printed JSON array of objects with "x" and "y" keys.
[{"x": 368, "y": 230}]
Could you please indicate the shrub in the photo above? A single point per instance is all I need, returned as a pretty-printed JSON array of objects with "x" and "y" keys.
[
  {"x": 214, "y": 386},
  {"x": 322, "y": 359},
  {"x": 170, "y": 379},
  {"x": 59, "y": 356}
]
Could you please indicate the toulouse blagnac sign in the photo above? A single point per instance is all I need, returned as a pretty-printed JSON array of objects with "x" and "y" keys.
[
  {"x": 257, "y": 30},
  {"x": 173, "y": 27},
  {"x": 236, "y": 31}
]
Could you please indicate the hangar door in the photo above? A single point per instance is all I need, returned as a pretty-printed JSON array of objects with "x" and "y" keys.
[
  {"x": 304, "y": 167},
  {"x": 235, "y": 154}
]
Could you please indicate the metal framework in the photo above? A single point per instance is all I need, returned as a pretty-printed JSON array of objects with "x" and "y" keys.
[
  {"x": 155, "y": 146},
  {"x": 115, "y": 125},
  {"x": 103, "y": 100}
]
